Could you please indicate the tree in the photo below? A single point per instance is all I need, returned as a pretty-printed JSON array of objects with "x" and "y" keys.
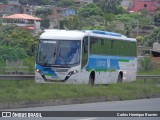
[
  {"x": 70, "y": 22},
  {"x": 45, "y": 23},
  {"x": 109, "y": 6},
  {"x": 127, "y": 31},
  {"x": 157, "y": 19},
  {"x": 43, "y": 13},
  {"x": 144, "y": 12},
  {"x": 23, "y": 2},
  {"x": 4, "y": 1},
  {"x": 139, "y": 39},
  {"x": 11, "y": 52},
  {"x": 149, "y": 39},
  {"x": 94, "y": 22},
  {"x": 127, "y": 18},
  {"x": 91, "y": 16},
  {"x": 9, "y": 49},
  {"x": 109, "y": 17},
  {"x": 121, "y": 10},
  {"x": 35, "y": 2},
  {"x": 44, "y": 2},
  {"x": 65, "y": 3},
  {"x": 14, "y": 36},
  {"x": 89, "y": 10},
  {"x": 130, "y": 21}
]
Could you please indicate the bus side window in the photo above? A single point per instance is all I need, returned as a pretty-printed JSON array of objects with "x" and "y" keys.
[{"x": 84, "y": 52}]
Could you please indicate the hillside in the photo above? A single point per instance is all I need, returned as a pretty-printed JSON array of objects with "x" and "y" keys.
[{"x": 29, "y": 2}]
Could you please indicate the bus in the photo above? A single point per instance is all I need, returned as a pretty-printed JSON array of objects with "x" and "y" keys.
[{"x": 85, "y": 57}]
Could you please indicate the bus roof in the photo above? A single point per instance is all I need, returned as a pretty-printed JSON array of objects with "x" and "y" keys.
[
  {"x": 63, "y": 35},
  {"x": 78, "y": 35}
]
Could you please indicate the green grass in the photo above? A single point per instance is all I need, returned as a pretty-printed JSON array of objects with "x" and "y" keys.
[
  {"x": 11, "y": 91},
  {"x": 2, "y": 65},
  {"x": 150, "y": 72},
  {"x": 30, "y": 63}
]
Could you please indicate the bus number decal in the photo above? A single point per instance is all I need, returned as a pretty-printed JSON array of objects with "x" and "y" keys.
[
  {"x": 101, "y": 63},
  {"x": 104, "y": 64}
]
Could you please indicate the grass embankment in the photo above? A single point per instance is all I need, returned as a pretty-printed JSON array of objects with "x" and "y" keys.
[
  {"x": 150, "y": 72},
  {"x": 11, "y": 91}
]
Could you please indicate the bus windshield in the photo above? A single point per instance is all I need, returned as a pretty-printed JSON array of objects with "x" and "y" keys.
[{"x": 58, "y": 52}]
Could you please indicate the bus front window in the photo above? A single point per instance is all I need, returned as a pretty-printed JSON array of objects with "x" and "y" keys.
[{"x": 58, "y": 52}]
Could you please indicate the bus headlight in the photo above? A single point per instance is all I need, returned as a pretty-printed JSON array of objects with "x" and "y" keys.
[
  {"x": 39, "y": 71},
  {"x": 73, "y": 72}
]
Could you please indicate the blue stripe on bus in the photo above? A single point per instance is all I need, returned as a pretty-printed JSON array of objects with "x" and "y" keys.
[
  {"x": 103, "y": 32},
  {"x": 46, "y": 70},
  {"x": 105, "y": 63}
]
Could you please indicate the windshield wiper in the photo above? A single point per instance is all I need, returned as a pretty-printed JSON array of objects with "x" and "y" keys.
[
  {"x": 45, "y": 60},
  {"x": 59, "y": 55},
  {"x": 54, "y": 53}
]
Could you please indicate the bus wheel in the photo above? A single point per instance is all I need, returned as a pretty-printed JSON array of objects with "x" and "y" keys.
[
  {"x": 120, "y": 77},
  {"x": 92, "y": 78}
]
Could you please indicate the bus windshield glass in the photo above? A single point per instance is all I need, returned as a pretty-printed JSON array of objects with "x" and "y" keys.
[{"x": 58, "y": 52}]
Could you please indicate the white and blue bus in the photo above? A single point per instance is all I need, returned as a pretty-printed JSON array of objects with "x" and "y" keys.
[{"x": 86, "y": 57}]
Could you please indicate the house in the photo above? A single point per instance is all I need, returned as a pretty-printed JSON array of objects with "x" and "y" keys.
[
  {"x": 156, "y": 55},
  {"x": 58, "y": 14},
  {"x": 69, "y": 11},
  {"x": 127, "y": 4},
  {"x": 54, "y": 19},
  {"x": 16, "y": 2},
  {"x": 150, "y": 5},
  {"x": 156, "y": 49},
  {"x": 25, "y": 9},
  {"x": 82, "y": 2},
  {"x": 7, "y": 9},
  {"x": 24, "y": 21}
]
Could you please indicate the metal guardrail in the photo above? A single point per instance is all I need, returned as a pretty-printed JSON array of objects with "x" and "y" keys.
[
  {"x": 17, "y": 77},
  {"x": 148, "y": 76},
  {"x": 31, "y": 77},
  {"x": 145, "y": 77}
]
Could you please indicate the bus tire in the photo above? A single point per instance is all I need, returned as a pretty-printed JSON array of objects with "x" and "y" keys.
[
  {"x": 92, "y": 78},
  {"x": 120, "y": 77}
]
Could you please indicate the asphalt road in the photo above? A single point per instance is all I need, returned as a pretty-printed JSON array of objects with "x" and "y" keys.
[{"x": 131, "y": 105}]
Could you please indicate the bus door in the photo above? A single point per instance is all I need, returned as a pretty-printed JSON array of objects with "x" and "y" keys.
[{"x": 84, "y": 52}]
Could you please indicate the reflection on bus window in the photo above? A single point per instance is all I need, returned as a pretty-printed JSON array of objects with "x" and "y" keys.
[{"x": 59, "y": 52}]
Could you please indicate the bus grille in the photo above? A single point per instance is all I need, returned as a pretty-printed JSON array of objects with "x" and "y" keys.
[{"x": 60, "y": 69}]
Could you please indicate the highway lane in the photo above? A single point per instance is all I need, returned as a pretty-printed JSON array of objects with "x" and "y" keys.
[{"x": 131, "y": 105}]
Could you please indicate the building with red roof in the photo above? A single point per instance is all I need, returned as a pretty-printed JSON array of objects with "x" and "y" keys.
[
  {"x": 22, "y": 16},
  {"x": 23, "y": 20},
  {"x": 150, "y": 5}
]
